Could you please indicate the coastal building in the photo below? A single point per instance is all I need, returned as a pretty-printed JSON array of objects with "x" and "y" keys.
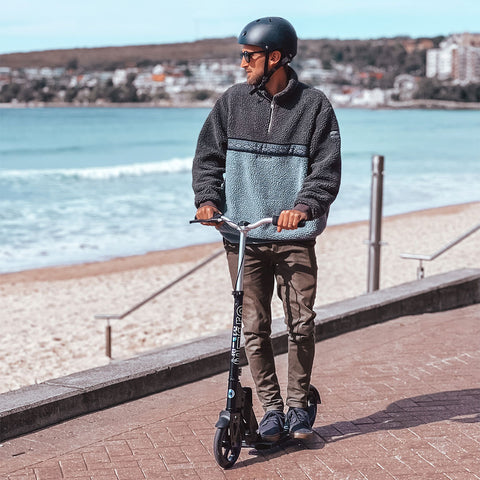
[
  {"x": 5, "y": 75},
  {"x": 405, "y": 87},
  {"x": 440, "y": 62},
  {"x": 121, "y": 75},
  {"x": 467, "y": 65},
  {"x": 312, "y": 72},
  {"x": 457, "y": 59}
]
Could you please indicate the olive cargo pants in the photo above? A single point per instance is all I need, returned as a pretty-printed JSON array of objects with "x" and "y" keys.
[{"x": 294, "y": 268}]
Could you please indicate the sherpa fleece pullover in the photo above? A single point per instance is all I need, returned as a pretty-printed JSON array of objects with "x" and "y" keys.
[{"x": 258, "y": 155}]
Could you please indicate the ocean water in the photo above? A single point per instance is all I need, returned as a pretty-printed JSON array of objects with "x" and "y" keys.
[{"x": 88, "y": 184}]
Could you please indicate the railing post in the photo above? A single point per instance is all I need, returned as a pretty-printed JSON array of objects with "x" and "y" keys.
[
  {"x": 108, "y": 340},
  {"x": 420, "y": 270},
  {"x": 374, "y": 241},
  {"x": 428, "y": 258},
  {"x": 108, "y": 317}
]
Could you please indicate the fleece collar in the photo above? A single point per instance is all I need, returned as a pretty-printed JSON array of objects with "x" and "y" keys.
[{"x": 286, "y": 92}]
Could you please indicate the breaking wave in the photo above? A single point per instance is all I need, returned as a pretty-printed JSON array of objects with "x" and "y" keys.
[{"x": 174, "y": 165}]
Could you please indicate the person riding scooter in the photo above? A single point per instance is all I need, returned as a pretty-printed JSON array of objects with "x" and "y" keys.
[{"x": 272, "y": 145}]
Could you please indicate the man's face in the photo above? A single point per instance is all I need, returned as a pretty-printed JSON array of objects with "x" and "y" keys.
[{"x": 255, "y": 68}]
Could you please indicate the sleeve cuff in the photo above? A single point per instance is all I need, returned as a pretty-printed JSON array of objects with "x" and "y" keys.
[
  {"x": 209, "y": 203},
  {"x": 301, "y": 207}
]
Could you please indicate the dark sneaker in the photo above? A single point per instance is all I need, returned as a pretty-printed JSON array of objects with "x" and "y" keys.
[
  {"x": 299, "y": 423},
  {"x": 271, "y": 426}
]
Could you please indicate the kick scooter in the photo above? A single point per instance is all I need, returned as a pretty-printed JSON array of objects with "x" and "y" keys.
[{"x": 237, "y": 425}]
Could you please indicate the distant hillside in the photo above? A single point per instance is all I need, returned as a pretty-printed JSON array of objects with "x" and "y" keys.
[
  {"x": 111, "y": 57},
  {"x": 369, "y": 52}
]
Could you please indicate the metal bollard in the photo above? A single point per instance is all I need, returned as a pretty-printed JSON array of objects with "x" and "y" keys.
[{"x": 374, "y": 242}]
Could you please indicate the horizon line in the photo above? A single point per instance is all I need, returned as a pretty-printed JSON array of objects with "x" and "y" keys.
[{"x": 207, "y": 39}]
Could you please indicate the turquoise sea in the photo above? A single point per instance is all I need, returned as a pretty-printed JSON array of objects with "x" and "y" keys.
[{"x": 87, "y": 184}]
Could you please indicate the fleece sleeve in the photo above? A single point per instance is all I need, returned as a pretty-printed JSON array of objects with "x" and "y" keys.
[
  {"x": 209, "y": 161},
  {"x": 322, "y": 183}
]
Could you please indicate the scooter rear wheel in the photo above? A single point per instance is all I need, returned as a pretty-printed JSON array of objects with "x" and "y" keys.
[
  {"x": 313, "y": 401},
  {"x": 225, "y": 454}
]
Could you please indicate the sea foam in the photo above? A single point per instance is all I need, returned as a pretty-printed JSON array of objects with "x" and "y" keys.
[{"x": 174, "y": 165}]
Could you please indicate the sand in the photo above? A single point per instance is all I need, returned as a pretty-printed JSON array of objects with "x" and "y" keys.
[{"x": 48, "y": 323}]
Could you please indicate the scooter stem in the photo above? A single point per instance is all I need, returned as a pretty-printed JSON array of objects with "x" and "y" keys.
[
  {"x": 241, "y": 258},
  {"x": 233, "y": 402}
]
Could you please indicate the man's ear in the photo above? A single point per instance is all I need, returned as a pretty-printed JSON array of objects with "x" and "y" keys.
[{"x": 275, "y": 57}]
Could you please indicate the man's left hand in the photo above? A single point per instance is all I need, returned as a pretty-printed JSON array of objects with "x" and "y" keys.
[{"x": 289, "y": 219}]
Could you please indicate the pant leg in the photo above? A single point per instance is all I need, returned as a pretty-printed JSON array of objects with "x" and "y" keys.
[
  {"x": 296, "y": 275},
  {"x": 257, "y": 320}
]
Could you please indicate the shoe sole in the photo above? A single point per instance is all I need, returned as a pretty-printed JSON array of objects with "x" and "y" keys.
[
  {"x": 301, "y": 435},
  {"x": 271, "y": 438}
]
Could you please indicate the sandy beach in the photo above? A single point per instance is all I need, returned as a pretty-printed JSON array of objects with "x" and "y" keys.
[{"x": 49, "y": 329}]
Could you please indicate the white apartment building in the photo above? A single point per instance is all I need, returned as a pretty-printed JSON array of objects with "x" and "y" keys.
[
  {"x": 440, "y": 62},
  {"x": 457, "y": 59}
]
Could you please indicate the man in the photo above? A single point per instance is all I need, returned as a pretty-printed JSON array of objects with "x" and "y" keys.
[{"x": 269, "y": 146}]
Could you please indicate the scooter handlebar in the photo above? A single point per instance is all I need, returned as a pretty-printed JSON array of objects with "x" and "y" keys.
[{"x": 217, "y": 218}]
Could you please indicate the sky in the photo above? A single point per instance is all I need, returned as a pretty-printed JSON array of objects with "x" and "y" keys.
[{"x": 32, "y": 25}]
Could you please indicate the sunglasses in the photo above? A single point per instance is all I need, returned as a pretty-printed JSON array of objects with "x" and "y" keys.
[{"x": 248, "y": 55}]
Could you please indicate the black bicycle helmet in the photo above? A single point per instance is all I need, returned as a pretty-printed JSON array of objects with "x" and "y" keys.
[{"x": 271, "y": 33}]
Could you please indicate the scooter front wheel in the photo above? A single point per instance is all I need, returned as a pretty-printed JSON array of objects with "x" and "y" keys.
[{"x": 225, "y": 454}]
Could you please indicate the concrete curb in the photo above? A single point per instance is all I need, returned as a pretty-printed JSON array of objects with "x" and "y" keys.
[{"x": 38, "y": 406}]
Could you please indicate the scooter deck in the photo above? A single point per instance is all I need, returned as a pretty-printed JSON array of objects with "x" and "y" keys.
[{"x": 261, "y": 444}]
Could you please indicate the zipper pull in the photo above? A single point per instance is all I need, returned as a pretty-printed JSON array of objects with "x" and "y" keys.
[{"x": 272, "y": 106}]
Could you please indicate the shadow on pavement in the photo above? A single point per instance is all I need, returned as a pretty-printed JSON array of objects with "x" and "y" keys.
[{"x": 461, "y": 406}]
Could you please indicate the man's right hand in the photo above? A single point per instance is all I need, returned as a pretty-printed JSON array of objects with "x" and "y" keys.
[{"x": 206, "y": 212}]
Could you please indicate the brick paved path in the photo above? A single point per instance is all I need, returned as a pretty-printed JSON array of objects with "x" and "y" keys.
[{"x": 401, "y": 400}]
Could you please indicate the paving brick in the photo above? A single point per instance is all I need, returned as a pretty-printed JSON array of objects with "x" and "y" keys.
[
  {"x": 463, "y": 475},
  {"x": 73, "y": 466},
  {"x": 129, "y": 473},
  {"x": 118, "y": 448},
  {"x": 210, "y": 473},
  {"x": 173, "y": 456},
  {"x": 185, "y": 475},
  {"x": 104, "y": 475},
  {"x": 398, "y": 403},
  {"x": 375, "y": 472},
  {"x": 22, "y": 476},
  {"x": 96, "y": 458},
  {"x": 48, "y": 472}
]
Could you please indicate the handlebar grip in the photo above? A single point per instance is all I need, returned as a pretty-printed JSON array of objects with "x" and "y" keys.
[
  {"x": 215, "y": 219},
  {"x": 275, "y": 218}
]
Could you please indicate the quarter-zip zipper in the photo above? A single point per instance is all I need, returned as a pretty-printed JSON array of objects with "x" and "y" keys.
[{"x": 270, "y": 122}]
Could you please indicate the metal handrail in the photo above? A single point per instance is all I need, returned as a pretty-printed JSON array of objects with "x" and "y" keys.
[
  {"x": 421, "y": 257},
  {"x": 121, "y": 316}
]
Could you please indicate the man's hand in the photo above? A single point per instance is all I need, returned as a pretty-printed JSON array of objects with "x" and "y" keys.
[
  {"x": 289, "y": 219},
  {"x": 206, "y": 212}
]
